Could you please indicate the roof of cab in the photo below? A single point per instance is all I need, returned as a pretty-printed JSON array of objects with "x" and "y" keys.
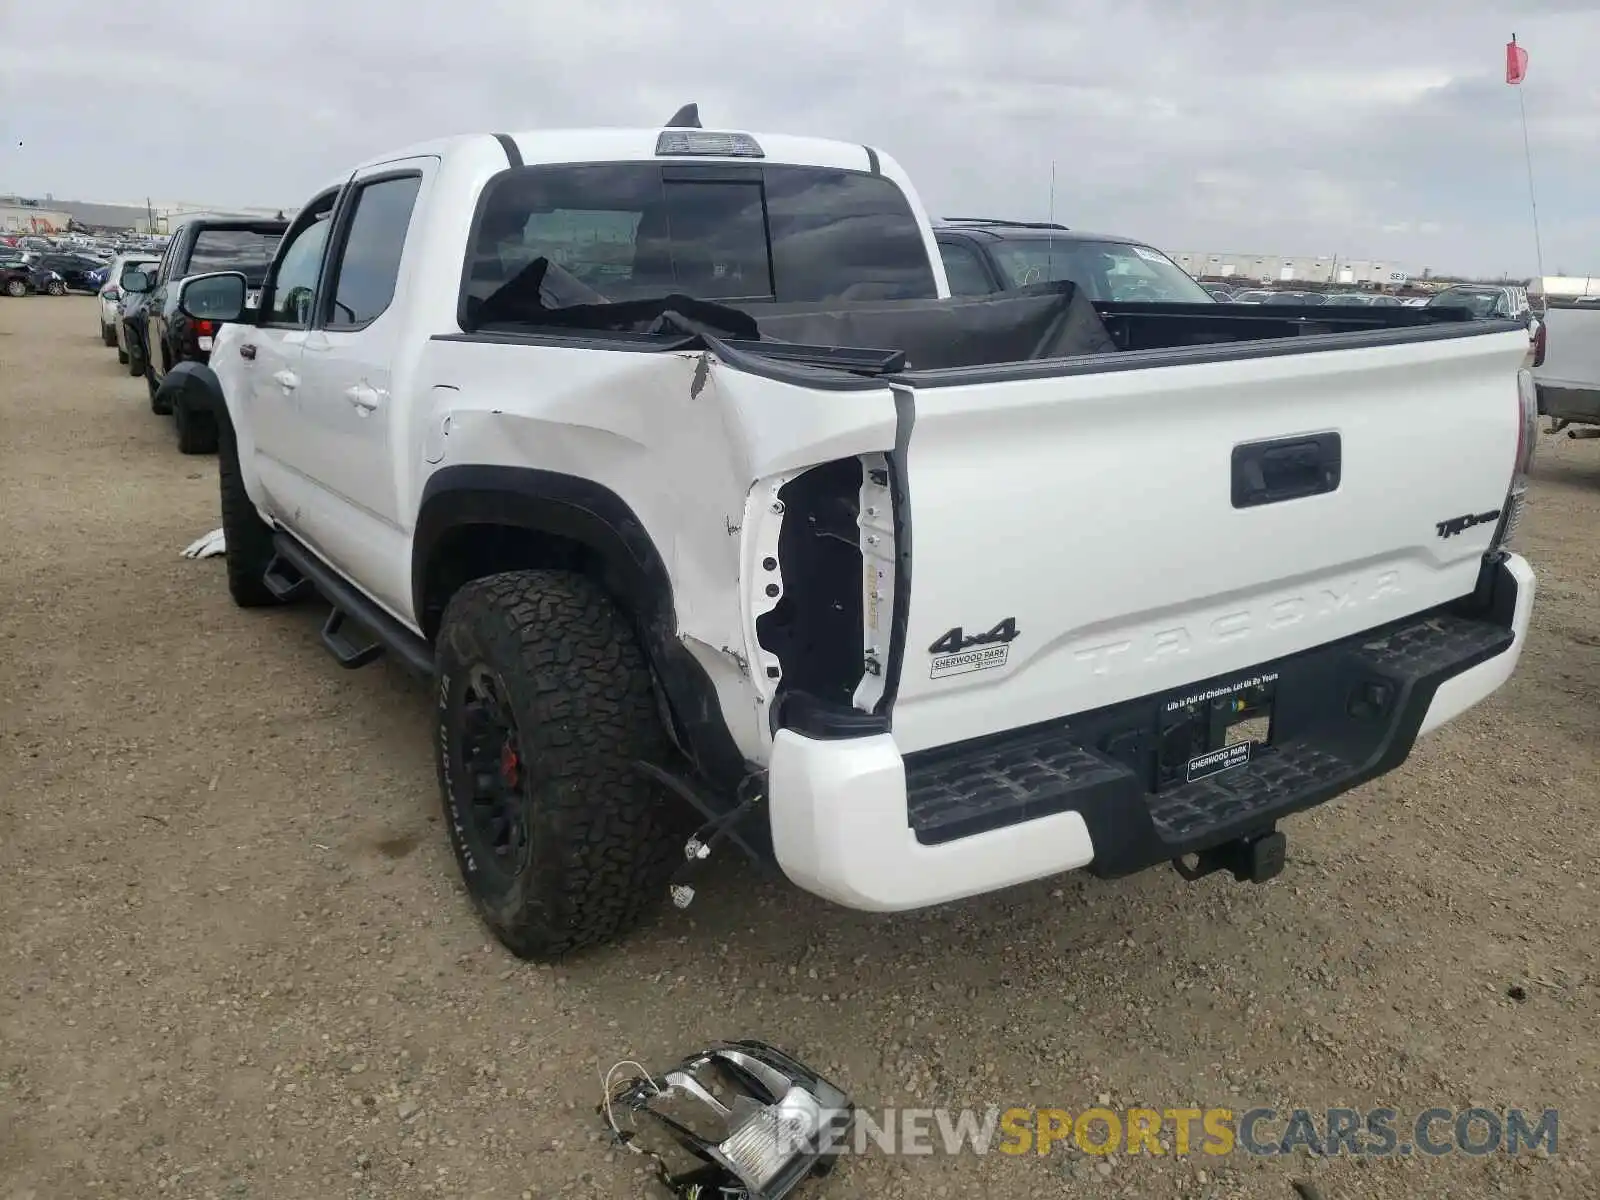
[{"x": 545, "y": 146}]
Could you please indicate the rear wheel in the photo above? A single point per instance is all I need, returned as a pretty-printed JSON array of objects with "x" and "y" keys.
[
  {"x": 544, "y": 704},
  {"x": 160, "y": 405},
  {"x": 108, "y": 335},
  {"x": 56, "y": 288},
  {"x": 247, "y": 538},
  {"x": 16, "y": 287}
]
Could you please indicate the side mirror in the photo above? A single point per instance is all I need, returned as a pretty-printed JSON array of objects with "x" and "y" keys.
[
  {"x": 136, "y": 282},
  {"x": 217, "y": 297}
]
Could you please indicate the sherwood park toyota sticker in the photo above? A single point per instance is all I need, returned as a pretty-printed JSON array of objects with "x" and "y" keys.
[{"x": 959, "y": 653}]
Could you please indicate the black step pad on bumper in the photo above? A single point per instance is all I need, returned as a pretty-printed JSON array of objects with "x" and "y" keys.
[{"x": 1345, "y": 713}]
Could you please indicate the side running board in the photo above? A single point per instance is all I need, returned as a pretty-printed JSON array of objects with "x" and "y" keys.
[{"x": 357, "y": 631}]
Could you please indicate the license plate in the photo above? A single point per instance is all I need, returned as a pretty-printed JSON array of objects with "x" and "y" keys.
[
  {"x": 252, "y": 299},
  {"x": 1214, "y": 730}
]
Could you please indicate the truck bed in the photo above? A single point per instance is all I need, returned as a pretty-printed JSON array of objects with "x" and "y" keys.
[{"x": 1047, "y": 322}]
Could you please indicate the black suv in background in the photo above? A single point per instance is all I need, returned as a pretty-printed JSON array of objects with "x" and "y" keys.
[
  {"x": 167, "y": 338},
  {"x": 983, "y": 255}
]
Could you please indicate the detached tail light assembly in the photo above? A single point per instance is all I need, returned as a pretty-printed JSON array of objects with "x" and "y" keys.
[{"x": 738, "y": 1120}]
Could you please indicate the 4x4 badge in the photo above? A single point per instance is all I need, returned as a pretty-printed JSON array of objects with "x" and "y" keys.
[{"x": 957, "y": 653}]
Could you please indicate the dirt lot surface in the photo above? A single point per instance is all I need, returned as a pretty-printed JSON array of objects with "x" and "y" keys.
[{"x": 237, "y": 961}]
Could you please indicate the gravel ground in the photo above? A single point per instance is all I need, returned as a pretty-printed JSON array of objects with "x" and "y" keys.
[{"x": 237, "y": 961}]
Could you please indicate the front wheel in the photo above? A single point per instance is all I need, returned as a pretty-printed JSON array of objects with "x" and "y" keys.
[
  {"x": 247, "y": 539},
  {"x": 108, "y": 335},
  {"x": 16, "y": 287},
  {"x": 56, "y": 288},
  {"x": 544, "y": 704}
]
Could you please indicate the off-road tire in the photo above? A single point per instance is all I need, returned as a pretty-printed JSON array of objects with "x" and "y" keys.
[
  {"x": 247, "y": 538},
  {"x": 138, "y": 366},
  {"x": 602, "y": 839},
  {"x": 197, "y": 431},
  {"x": 108, "y": 335}
]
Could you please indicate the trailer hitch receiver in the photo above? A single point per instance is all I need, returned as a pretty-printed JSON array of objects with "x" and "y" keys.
[{"x": 1252, "y": 859}]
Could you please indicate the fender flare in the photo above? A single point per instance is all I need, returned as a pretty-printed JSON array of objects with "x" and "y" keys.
[
  {"x": 591, "y": 515},
  {"x": 198, "y": 383}
]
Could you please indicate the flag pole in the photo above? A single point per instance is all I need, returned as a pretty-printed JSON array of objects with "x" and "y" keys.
[{"x": 1533, "y": 199}]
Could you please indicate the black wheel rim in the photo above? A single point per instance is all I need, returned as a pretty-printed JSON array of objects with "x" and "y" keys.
[{"x": 496, "y": 783}]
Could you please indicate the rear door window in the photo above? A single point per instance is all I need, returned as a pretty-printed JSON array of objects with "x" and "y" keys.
[
  {"x": 734, "y": 233},
  {"x": 368, "y": 267}
]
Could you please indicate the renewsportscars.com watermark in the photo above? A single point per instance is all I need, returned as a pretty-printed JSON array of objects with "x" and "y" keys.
[{"x": 1261, "y": 1132}]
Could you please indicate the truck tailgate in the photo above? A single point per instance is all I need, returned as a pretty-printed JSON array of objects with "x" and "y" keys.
[{"x": 1082, "y": 537}]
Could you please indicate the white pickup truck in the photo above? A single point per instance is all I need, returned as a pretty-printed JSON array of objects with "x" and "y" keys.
[
  {"x": 668, "y": 456},
  {"x": 1568, "y": 382}
]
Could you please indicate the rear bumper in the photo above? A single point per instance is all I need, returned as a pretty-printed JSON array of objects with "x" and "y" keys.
[
  {"x": 1571, "y": 402},
  {"x": 984, "y": 815}
]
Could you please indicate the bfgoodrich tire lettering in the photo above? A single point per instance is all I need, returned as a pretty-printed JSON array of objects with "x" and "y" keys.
[{"x": 599, "y": 841}]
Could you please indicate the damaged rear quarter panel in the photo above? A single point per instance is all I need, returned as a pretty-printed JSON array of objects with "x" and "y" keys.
[{"x": 691, "y": 444}]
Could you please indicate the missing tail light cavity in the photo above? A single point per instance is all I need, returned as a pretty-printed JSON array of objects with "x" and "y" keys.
[{"x": 815, "y": 629}]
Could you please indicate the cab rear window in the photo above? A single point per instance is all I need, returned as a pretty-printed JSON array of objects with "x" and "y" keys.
[{"x": 736, "y": 234}]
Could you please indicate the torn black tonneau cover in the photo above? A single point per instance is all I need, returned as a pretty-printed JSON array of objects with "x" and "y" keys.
[{"x": 1051, "y": 320}]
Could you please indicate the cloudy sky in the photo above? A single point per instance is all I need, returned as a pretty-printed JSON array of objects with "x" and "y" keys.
[{"x": 1366, "y": 128}]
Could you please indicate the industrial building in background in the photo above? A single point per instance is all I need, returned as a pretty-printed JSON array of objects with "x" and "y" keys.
[
  {"x": 1276, "y": 268},
  {"x": 49, "y": 216}
]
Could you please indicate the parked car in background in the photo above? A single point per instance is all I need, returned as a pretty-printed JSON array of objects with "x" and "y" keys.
[
  {"x": 111, "y": 292},
  {"x": 1568, "y": 384},
  {"x": 130, "y": 326},
  {"x": 16, "y": 277},
  {"x": 1274, "y": 296},
  {"x": 1497, "y": 302},
  {"x": 1376, "y": 299},
  {"x": 75, "y": 270},
  {"x": 1483, "y": 300},
  {"x": 982, "y": 256},
  {"x": 23, "y": 274},
  {"x": 169, "y": 337},
  {"x": 1218, "y": 292}
]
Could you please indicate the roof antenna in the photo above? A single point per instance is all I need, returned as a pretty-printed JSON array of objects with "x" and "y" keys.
[{"x": 687, "y": 117}]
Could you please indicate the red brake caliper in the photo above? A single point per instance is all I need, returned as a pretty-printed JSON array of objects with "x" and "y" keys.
[{"x": 509, "y": 764}]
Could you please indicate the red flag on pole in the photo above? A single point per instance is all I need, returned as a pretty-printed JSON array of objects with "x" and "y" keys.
[{"x": 1516, "y": 62}]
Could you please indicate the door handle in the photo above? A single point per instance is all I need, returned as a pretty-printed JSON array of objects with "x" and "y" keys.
[
  {"x": 363, "y": 397},
  {"x": 248, "y": 350},
  {"x": 287, "y": 380}
]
